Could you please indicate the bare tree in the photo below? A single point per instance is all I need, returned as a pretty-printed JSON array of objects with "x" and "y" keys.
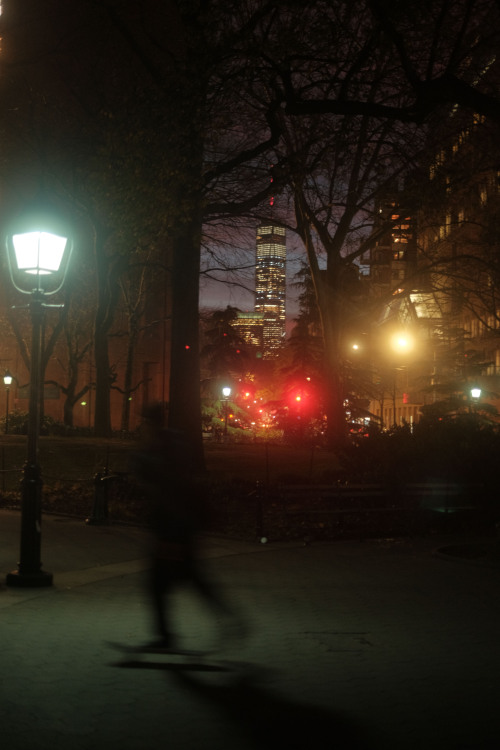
[
  {"x": 218, "y": 90},
  {"x": 361, "y": 95}
]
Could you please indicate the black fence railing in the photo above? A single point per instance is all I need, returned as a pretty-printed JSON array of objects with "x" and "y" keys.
[
  {"x": 356, "y": 510},
  {"x": 276, "y": 511}
]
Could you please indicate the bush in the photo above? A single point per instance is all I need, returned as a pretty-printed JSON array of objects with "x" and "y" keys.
[
  {"x": 461, "y": 449},
  {"x": 18, "y": 425}
]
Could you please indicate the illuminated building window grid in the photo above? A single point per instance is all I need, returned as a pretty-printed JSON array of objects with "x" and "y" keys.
[
  {"x": 270, "y": 278},
  {"x": 271, "y": 252},
  {"x": 272, "y": 229},
  {"x": 251, "y": 329}
]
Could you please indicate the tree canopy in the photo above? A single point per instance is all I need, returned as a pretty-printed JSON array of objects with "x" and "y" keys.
[{"x": 163, "y": 120}]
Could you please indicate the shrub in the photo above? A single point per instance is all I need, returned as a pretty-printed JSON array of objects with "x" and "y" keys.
[{"x": 461, "y": 449}]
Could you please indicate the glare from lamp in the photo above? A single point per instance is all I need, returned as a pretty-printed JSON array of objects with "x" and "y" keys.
[
  {"x": 39, "y": 253},
  {"x": 402, "y": 342}
]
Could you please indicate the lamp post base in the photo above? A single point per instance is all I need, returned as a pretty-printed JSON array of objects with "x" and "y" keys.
[{"x": 28, "y": 580}]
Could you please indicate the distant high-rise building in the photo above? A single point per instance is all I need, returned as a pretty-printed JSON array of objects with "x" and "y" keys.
[
  {"x": 270, "y": 285},
  {"x": 250, "y": 326},
  {"x": 393, "y": 255}
]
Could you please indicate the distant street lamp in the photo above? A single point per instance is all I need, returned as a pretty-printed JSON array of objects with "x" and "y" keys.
[
  {"x": 402, "y": 344},
  {"x": 38, "y": 253},
  {"x": 7, "y": 381},
  {"x": 475, "y": 393},
  {"x": 226, "y": 392}
]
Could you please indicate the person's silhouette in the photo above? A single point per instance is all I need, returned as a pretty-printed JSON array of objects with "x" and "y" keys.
[{"x": 176, "y": 516}]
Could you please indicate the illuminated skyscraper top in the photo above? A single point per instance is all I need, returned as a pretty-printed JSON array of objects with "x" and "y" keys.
[{"x": 270, "y": 285}]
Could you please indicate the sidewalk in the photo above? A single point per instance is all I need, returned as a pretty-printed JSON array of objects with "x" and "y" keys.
[{"x": 352, "y": 645}]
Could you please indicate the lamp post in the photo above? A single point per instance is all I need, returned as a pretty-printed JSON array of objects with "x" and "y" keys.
[
  {"x": 475, "y": 393},
  {"x": 38, "y": 252},
  {"x": 226, "y": 392},
  {"x": 402, "y": 344},
  {"x": 7, "y": 381}
]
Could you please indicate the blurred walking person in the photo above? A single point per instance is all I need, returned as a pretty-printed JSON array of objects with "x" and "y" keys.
[{"x": 177, "y": 513}]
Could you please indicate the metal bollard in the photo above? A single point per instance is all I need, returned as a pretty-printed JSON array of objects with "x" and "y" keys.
[
  {"x": 259, "y": 512},
  {"x": 100, "y": 508}
]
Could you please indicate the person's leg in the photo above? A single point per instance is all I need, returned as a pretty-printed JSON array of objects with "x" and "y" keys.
[
  {"x": 161, "y": 585},
  {"x": 231, "y": 624}
]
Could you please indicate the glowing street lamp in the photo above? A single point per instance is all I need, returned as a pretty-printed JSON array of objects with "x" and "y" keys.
[
  {"x": 38, "y": 252},
  {"x": 7, "y": 381},
  {"x": 475, "y": 394},
  {"x": 226, "y": 392},
  {"x": 402, "y": 342}
]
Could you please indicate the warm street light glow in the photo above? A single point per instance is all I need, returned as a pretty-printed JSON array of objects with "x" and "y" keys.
[
  {"x": 475, "y": 392},
  {"x": 402, "y": 342}
]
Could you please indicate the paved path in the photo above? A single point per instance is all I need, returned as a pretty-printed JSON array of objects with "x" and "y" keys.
[{"x": 352, "y": 645}]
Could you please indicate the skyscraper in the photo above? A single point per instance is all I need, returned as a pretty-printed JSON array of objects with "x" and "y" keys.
[
  {"x": 393, "y": 255},
  {"x": 270, "y": 285},
  {"x": 250, "y": 326}
]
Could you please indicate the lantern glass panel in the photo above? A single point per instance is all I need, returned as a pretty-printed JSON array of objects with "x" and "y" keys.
[{"x": 39, "y": 253}]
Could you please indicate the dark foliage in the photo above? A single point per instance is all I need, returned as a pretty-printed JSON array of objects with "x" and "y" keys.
[{"x": 464, "y": 449}]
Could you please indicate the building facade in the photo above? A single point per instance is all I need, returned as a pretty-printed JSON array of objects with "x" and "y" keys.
[
  {"x": 439, "y": 267},
  {"x": 392, "y": 263},
  {"x": 250, "y": 327},
  {"x": 270, "y": 286},
  {"x": 393, "y": 255}
]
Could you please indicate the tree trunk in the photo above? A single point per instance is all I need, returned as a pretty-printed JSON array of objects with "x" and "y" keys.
[
  {"x": 70, "y": 400},
  {"x": 330, "y": 307},
  {"x": 328, "y": 292},
  {"x": 185, "y": 146},
  {"x": 102, "y": 413},
  {"x": 106, "y": 301},
  {"x": 184, "y": 400},
  {"x": 127, "y": 384}
]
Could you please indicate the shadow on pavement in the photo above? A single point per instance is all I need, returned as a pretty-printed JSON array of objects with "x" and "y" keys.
[
  {"x": 269, "y": 720},
  {"x": 263, "y": 717}
]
